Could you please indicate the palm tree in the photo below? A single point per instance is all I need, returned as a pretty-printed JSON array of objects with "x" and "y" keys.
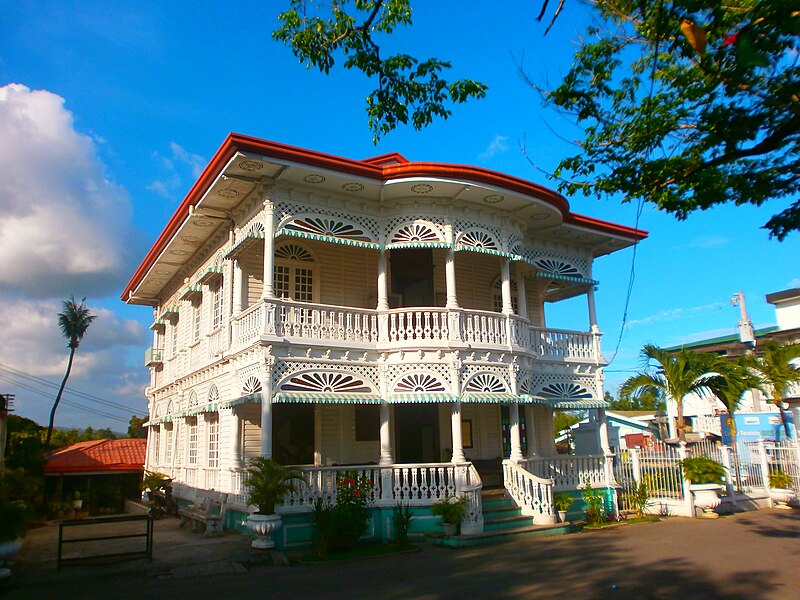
[
  {"x": 678, "y": 375},
  {"x": 73, "y": 321},
  {"x": 734, "y": 377},
  {"x": 778, "y": 372}
]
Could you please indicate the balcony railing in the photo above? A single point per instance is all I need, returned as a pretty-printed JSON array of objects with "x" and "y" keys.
[
  {"x": 362, "y": 328},
  {"x": 153, "y": 356}
]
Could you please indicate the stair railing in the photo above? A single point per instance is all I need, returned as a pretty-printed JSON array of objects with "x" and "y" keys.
[
  {"x": 534, "y": 495},
  {"x": 472, "y": 522}
]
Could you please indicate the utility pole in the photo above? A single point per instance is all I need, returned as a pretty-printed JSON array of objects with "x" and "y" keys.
[
  {"x": 6, "y": 406},
  {"x": 745, "y": 325}
]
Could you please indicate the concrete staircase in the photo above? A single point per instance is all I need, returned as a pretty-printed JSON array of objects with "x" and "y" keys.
[{"x": 502, "y": 521}]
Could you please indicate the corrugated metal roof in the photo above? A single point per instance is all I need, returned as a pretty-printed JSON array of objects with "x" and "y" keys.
[{"x": 98, "y": 456}]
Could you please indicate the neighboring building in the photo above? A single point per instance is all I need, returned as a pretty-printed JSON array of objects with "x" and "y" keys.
[
  {"x": 327, "y": 311},
  {"x": 105, "y": 472},
  {"x": 704, "y": 414},
  {"x": 626, "y": 429}
]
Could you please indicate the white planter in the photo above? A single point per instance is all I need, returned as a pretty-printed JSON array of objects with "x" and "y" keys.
[
  {"x": 706, "y": 497},
  {"x": 562, "y": 516},
  {"x": 782, "y": 497},
  {"x": 263, "y": 526},
  {"x": 450, "y": 529},
  {"x": 77, "y": 504},
  {"x": 9, "y": 549}
]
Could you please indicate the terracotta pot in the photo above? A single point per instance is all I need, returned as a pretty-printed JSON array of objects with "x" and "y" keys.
[{"x": 263, "y": 526}]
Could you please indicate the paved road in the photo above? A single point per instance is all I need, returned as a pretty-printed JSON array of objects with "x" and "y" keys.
[{"x": 749, "y": 556}]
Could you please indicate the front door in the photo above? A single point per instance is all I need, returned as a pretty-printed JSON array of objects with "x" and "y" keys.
[
  {"x": 412, "y": 277},
  {"x": 293, "y": 434},
  {"x": 416, "y": 433}
]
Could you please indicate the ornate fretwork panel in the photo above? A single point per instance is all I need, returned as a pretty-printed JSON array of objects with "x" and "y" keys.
[
  {"x": 479, "y": 238},
  {"x": 329, "y": 381},
  {"x": 564, "y": 391},
  {"x": 570, "y": 387},
  {"x": 418, "y": 382},
  {"x": 213, "y": 394},
  {"x": 252, "y": 385},
  {"x": 471, "y": 372},
  {"x": 486, "y": 382},
  {"x": 193, "y": 401},
  {"x": 292, "y": 251},
  {"x": 409, "y": 230},
  {"x": 284, "y": 369},
  {"x": 287, "y": 212},
  {"x": 556, "y": 262},
  {"x": 328, "y": 226},
  {"x": 397, "y": 372}
]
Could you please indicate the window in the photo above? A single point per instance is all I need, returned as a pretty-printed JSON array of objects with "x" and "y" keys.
[
  {"x": 196, "y": 321},
  {"x": 497, "y": 298},
  {"x": 192, "y": 449},
  {"x": 168, "y": 442},
  {"x": 174, "y": 339},
  {"x": 212, "y": 426},
  {"x": 216, "y": 307},
  {"x": 156, "y": 445},
  {"x": 294, "y": 273}
]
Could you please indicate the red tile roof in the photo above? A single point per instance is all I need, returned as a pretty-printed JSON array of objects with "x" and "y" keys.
[{"x": 98, "y": 456}]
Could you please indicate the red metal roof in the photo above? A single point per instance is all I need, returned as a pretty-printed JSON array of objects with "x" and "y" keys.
[
  {"x": 98, "y": 456},
  {"x": 381, "y": 168}
]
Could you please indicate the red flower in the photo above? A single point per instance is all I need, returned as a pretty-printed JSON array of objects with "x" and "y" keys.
[
  {"x": 357, "y": 494},
  {"x": 730, "y": 39}
]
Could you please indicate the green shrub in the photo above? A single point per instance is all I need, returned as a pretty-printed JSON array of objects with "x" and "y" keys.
[
  {"x": 401, "y": 516},
  {"x": 638, "y": 498},
  {"x": 595, "y": 505},
  {"x": 13, "y": 520},
  {"x": 268, "y": 482},
  {"x": 701, "y": 469},
  {"x": 779, "y": 480},
  {"x": 338, "y": 527}
]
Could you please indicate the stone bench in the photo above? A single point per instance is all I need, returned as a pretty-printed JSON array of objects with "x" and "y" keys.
[{"x": 208, "y": 512}]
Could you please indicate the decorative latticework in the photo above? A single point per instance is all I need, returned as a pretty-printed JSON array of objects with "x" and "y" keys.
[
  {"x": 416, "y": 232},
  {"x": 193, "y": 400},
  {"x": 327, "y": 226},
  {"x": 213, "y": 394},
  {"x": 485, "y": 382},
  {"x": 286, "y": 212},
  {"x": 556, "y": 267},
  {"x": 565, "y": 391},
  {"x": 480, "y": 239},
  {"x": 397, "y": 371},
  {"x": 331, "y": 381},
  {"x": 549, "y": 260},
  {"x": 293, "y": 252},
  {"x": 419, "y": 382},
  {"x": 252, "y": 385},
  {"x": 284, "y": 368}
]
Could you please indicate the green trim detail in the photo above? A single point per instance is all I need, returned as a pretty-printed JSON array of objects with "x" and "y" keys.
[
  {"x": 421, "y": 398},
  {"x": 460, "y": 247},
  {"x": 400, "y": 245},
  {"x": 326, "y": 398},
  {"x": 327, "y": 238}
]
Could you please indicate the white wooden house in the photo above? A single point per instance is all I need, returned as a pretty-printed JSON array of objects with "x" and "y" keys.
[{"x": 380, "y": 313}]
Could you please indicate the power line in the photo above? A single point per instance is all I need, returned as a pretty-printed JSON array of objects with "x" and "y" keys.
[
  {"x": 64, "y": 400},
  {"x": 84, "y": 395}
]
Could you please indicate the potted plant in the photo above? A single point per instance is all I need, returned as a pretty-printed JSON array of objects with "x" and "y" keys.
[
  {"x": 77, "y": 503},
  {"x": 267, "y": 483},
  {"x": 706, "y": 477},
  {"x": 451, "y": 509},
  {"x": 13, "y": 526},
  {"x": 563, "y": 502},
  {"x": 780, "y": 489}
]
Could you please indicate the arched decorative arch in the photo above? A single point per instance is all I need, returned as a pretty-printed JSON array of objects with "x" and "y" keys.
[
  {"x": 252, "y": 385},
  {"x": 418, "y": 382},
  {"x": 213, "y": 394},
  {"x": 294, "y": 251},
  {"x": 564, "y": 392},
  {"x": 418, "y": 233},
  {"x": 326, "y": 382},
  {"x": 486, "y": 383},
  {"x": 170, "y": 409},
  {"x": 193, "y": 401},
  {"x": 478, "y": 239},
  {"x": 327, "y": 228}
]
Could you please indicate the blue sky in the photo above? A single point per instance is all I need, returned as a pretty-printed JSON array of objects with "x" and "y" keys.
[{"x": 119, "y": 105}]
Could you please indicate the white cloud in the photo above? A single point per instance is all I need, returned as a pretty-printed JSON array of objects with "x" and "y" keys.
[
  {"x": 709, "y": 241},
  {"x": 174, "y": 168},
  {"x": 34, "y": 345},
  {"x": 64, "y": 225},
  {"x": 498, "y": 144},
  {"x": 672, "y": 314},
  {"x": 794, "y": 283}
]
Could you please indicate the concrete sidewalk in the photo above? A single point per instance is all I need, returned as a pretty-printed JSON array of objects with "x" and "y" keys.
[{"x": 748, "y": 556}]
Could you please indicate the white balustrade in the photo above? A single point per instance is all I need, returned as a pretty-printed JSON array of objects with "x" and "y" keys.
[
  {"x": 406, "y": 324},
  {"x": 238, "y": 492},
  {"x": 484, "y": 327},
  {"x": 247, "y": 326},
  {"x": 190, "y": 476},
  {"x": 533, "y": 494},
  {"x": 569, "y": 472},
  {"x": 562, "y": 343},
  {"x": 218, "y": 342},
  {"x": 328, "y": 323},
  {"x": 472, "y": 522}
]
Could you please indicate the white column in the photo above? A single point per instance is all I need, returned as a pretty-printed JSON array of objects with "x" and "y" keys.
[
  {"x": 530, "y": 430},
  {"x": 505, "y": 287},
  {"x": 238, "y": 449},
  {"x": 516, "y": 440},
  {"x": 603, "y": 430},
  {"x": 455, "y": 426},
  {"x": 266, "y": 416},
  {"x": 386, "y": 458},
  {"x": 237, "y": 288},
  {"x": 268, "y": 291},
  {"x": 450, "y": 268},
  {"x": 383, "y": 284},
  {"x": 672, "y": 415},
  {"x": 522, "y": 294},
  {"x": 592, "y": 309}
]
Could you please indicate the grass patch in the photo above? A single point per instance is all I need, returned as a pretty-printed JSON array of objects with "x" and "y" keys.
[
  {"x": 629, "y": 521},
  {"x": 360, "y": 551}
]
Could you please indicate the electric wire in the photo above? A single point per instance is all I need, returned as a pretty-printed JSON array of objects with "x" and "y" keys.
[
  {"x": 65, "y": 401},
  {"x": 108, "y": 403}
]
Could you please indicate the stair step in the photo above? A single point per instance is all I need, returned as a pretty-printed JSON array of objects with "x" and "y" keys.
[
  {"x": 510, "y": 522},
  {"x": 498, "y": 536},
  {"x": 500, "y": 512}
]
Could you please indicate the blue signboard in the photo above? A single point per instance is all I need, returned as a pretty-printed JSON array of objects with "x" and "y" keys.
[{"x": 752, "y": 427}]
